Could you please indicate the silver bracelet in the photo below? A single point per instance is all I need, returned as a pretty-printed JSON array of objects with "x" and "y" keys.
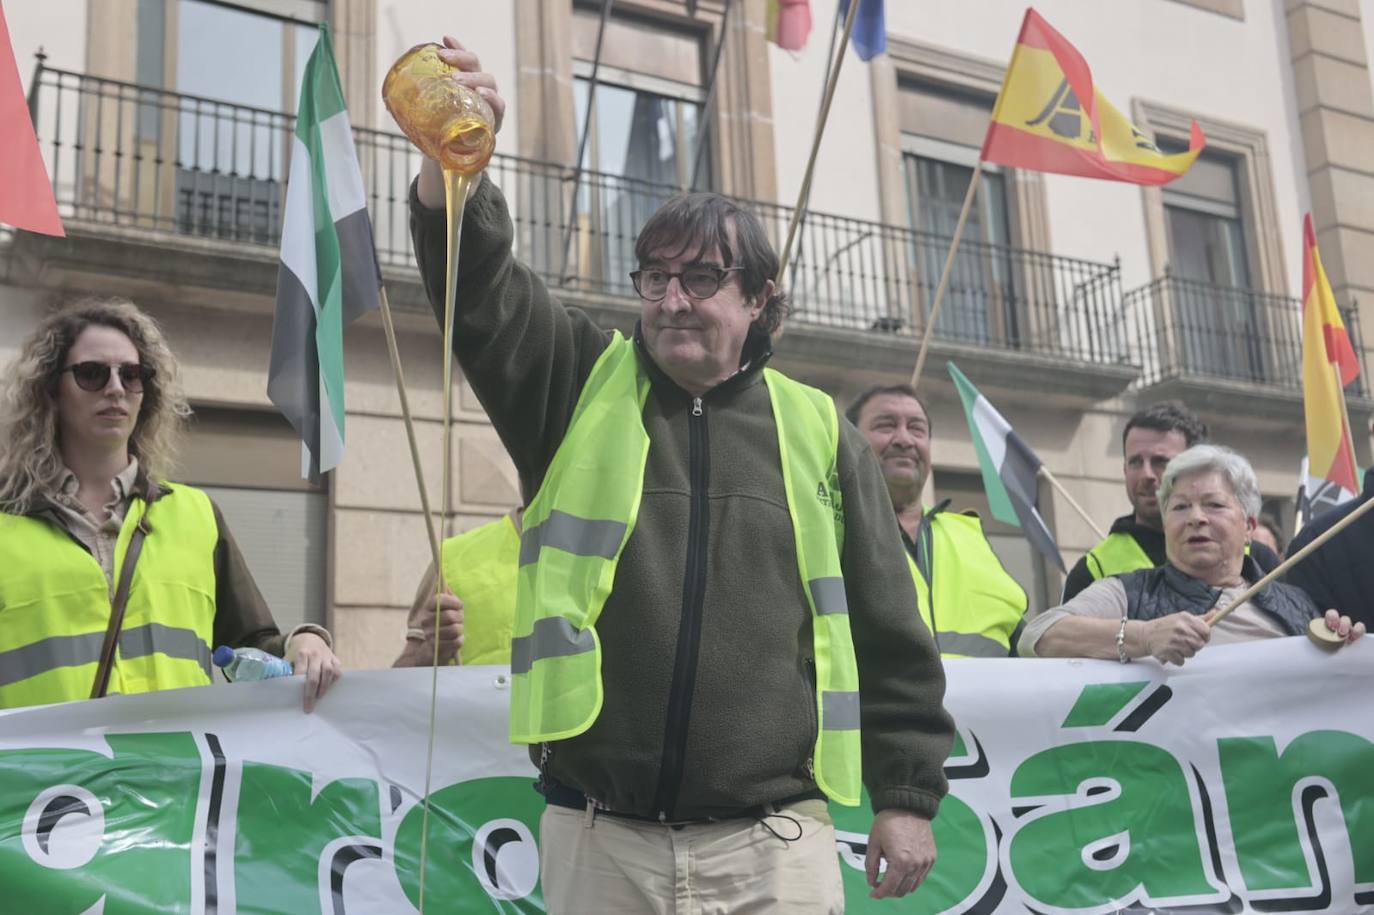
[{"x": 1121, "y": 643}]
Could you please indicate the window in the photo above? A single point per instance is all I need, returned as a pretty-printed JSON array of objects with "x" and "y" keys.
[
  {"x": 1219, "y": 306},
  {"x": 235, "y": 70},
  {"x": 1218, "y": 317},
  {"x": 942, "y": 131},
  {"x": 645, "y": 137},
  {"x": 1206, "y": 235}
]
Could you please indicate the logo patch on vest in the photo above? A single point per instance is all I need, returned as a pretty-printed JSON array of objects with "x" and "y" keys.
[{"x": 829, "y": 496}]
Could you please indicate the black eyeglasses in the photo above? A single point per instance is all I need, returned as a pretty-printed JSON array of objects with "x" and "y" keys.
[
  {"x": 94, "y": 376},
  {"x": 700, "y": 281}
]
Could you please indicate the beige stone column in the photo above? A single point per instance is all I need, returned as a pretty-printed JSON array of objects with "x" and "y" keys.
[
  {"x": 1336, "y": 109},
  {"x": 354, "y": 23}
]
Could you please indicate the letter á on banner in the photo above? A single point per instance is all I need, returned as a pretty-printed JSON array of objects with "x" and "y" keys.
[{"x": 1104, "y": 824}]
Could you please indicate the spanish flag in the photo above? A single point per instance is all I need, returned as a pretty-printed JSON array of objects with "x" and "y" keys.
[
  {"x": 789, "y": 23},
  {"x": 1328, "y": 365},
  {"x": 1050, "y": 117}
]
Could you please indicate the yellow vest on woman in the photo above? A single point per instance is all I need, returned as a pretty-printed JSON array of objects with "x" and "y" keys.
[
  {"x": 579, "y": 522},
  {"x": 55, "y": 604}
]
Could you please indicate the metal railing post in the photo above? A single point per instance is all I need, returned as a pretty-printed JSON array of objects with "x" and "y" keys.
[{"x": 33, "y": 86}]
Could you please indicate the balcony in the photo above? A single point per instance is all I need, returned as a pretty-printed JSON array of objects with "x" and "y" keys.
[
  {"x": 182, "y": 171},
  {"x": 1224, "y": 344}
]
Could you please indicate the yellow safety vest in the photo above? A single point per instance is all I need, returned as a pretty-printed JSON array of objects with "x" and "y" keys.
[
  {"x": 55, "y": 604},
  {"x": 976, "y": 604},
  {"x": 1118, "y": 554},
  {"x": 579, "y": 522},
  {"x": 480, "y": 567}
]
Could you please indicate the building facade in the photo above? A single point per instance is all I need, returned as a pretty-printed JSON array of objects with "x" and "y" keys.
[{"x": 166, "y": 126}]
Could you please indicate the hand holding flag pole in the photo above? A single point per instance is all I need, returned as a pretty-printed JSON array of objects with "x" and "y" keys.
[{"x": 1050, "y": 117}]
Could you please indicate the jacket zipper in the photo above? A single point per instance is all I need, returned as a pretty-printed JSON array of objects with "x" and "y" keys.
[
  {"x": 689, "y": 628},
  {"x": 812, "y": 699}
]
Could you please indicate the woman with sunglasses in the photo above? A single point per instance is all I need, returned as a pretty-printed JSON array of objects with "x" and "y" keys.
[{"x": 113, "y": 580}]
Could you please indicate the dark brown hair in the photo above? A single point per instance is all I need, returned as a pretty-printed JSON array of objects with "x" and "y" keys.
[
  {"x": 1168, "y": 416},
  {"x": 901, "y": 390}
]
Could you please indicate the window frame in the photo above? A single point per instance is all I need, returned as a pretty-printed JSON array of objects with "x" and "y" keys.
[
  {"x": 1256, "y": 197},
  {"x": 741, "y": 154}
]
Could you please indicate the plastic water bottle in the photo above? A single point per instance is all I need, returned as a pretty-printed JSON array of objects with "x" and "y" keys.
[{"x": 248, "y": 664}]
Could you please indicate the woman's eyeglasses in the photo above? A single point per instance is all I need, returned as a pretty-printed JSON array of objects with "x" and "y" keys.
[{"x": 94, "y": 376}]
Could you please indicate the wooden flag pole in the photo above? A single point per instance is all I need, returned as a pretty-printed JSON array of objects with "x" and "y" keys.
[
  {"x": 1293, "y": 560},
  {"x": 394, "y": 351},
  {"x": 944, "y": 276},
  {"x": 1044, "y": 472},
  {"x": 828, "y": 97}
]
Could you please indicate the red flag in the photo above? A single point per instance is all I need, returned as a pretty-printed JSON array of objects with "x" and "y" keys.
[{"x": 26, "y": 199}]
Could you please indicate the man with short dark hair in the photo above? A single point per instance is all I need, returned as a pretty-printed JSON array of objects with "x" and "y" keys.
[
  {"x": 710, "y": 577},
  {"x": 967, "y": 599},
  {"x": 1152, "y": 437}
]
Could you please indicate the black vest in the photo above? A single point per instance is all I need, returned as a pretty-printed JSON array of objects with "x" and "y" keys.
[{"x": 1152, "y": 593}]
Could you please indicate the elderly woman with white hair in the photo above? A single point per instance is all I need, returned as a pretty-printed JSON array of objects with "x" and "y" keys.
[{"x": 1210, "y": 502}]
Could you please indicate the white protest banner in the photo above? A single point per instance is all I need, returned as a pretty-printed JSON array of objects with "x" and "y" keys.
[{"x": 1242, "y": 782}]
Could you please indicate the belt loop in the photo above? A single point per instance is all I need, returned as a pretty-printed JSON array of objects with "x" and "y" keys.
[{"x": 590, "y": 818}]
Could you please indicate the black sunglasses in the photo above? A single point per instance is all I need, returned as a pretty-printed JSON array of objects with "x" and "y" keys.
[{"x": 94, "y": 376}]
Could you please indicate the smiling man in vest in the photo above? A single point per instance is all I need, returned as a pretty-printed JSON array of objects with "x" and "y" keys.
[
  {"x": 1151, "y": 439},
  {"x": 967, "y": 599},
  {"x": 710, "y": 578}
]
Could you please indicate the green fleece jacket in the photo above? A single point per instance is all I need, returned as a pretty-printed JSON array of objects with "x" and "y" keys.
[{"x": 706, "y": 637}]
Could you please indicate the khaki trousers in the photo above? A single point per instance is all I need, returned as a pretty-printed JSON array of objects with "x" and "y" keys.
[{"x": 592, "y": 865}]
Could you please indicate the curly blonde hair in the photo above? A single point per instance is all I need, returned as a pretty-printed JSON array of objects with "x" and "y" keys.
[{"x": 30, "y": 457}]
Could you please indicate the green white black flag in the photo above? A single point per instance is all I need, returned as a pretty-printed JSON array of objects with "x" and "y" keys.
[
  {"x": 328, "y": 275},
  {"x": 1010, "y": 468}
]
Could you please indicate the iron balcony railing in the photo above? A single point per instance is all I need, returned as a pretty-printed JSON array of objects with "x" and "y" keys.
[
  {"x": 129, "y": 155},
  {"x": 1193, "y": 329}
]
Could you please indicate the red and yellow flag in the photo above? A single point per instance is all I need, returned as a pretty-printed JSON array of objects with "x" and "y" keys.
[
  {"x": 1328, "y": 365},
  {"x": 1049, "y": 117}
]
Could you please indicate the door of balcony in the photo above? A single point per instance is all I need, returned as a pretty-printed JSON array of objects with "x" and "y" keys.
[
  {"x": 1216, "y": 316},
  {"x": 980, "y": 301}
]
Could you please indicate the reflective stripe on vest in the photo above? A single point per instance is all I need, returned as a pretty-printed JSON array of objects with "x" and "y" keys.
[
  {"x": 55, "y": 605},
  {"x": 480, "y": 566},
  {"x": 1118, "y": 554},
  {"x": 976, "y": 604},
  {"x": 567, "y": 558},
  {"x": 576, "y": 528},
  {"x": 808, "y": 442}
]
